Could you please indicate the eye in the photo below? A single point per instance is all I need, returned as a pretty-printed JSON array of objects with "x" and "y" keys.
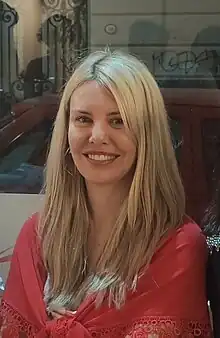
[
  {"x": 117, "y": 122},
  {"x": 83, "y": 120}
]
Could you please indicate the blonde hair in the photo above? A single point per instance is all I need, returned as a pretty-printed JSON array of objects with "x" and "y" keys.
[{"x": 155, "y": 203}]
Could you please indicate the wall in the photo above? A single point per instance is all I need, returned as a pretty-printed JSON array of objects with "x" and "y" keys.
[
  {"x": 14, "y": 209},
  {"x": 154, "y": 27}
]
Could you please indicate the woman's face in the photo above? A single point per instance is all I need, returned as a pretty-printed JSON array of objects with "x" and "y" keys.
[{"x": 101, "y": 147}]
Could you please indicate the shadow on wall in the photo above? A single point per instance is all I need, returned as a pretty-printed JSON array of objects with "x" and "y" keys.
[
  {"x": 144, "y": 37},
  {"x": 207, "y": 45},
  {"x": 196, "y": 66}
]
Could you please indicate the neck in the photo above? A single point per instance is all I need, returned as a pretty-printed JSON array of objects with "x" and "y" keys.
[{"x": 105, "y": 201}]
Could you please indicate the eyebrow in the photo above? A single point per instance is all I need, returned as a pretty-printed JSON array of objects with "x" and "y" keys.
[{"x": 80, "y": 111}]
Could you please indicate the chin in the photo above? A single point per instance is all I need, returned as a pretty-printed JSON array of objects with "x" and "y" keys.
[
  {"x": 106, "y": 175},
  {"x": 101, "y": 180}
]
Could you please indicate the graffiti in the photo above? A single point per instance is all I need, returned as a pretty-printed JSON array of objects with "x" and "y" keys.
[{"x": 186, "y": 61}]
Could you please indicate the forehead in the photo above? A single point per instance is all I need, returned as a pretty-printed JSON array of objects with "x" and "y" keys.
[{"x": 92, "y": 95}]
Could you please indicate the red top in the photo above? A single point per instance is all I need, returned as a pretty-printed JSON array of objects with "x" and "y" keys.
[{"x": 170, "y": 300}]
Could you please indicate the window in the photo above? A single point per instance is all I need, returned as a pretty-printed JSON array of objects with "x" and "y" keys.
[{"x": 40, "y": 41}]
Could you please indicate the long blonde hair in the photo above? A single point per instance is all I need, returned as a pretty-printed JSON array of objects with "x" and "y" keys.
[{"x": 155, "y": 203}]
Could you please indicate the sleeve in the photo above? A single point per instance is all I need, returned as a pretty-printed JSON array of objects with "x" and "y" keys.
[
  {"x": 22, "y": 309},
  {"x": 213, "y": 289}
]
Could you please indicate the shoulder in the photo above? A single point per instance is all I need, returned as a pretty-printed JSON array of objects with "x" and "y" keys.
[
  {"x": 29, "y": 227},
  {"x": 28, "y": 236},
  {"x": 187, "y": 243},
  {"x": 27, "y": 250},
  {"x": 181, "y": 259},
  {"x": 191, "y": 235},
  {"x": 188, "y": 235}
]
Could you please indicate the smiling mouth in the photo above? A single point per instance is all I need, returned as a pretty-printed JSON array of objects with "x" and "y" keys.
[{"x": 101, "y": 158}]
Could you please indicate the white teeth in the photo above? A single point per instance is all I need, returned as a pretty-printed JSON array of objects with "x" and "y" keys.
[{"x": 101, "y": 157}]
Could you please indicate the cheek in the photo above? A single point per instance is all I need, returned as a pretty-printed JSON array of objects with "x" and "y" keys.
[
  {"x": 131, "y": 152},
  {"x": 74, "y": 139},
  {"x": 128, "y": 146},
  {"x": 132, "y": 156},
  {"x": 78, "y": 139}
]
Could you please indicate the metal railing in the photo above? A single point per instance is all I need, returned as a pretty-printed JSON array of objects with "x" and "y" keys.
[{"x": 63, "y": 29}]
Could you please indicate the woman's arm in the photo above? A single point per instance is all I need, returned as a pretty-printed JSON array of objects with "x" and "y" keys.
[{"x": 23, "y": 310}]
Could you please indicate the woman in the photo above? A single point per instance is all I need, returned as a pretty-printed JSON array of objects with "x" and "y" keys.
[
  {"x": 211, "y": 225},
  {"x": 112, "y": 254}
]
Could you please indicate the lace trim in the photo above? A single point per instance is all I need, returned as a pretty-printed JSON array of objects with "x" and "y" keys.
[
  {"x": 14, "y": 326},
  {"x": 150, "y": 327},
  {"x": 158, "y": 327}
]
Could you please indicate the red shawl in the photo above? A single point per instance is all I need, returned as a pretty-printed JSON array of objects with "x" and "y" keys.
[{"x": 170, "y": 300}]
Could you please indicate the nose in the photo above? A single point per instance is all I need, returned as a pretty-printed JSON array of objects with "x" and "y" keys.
[{"x": 99, "y": 133}]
